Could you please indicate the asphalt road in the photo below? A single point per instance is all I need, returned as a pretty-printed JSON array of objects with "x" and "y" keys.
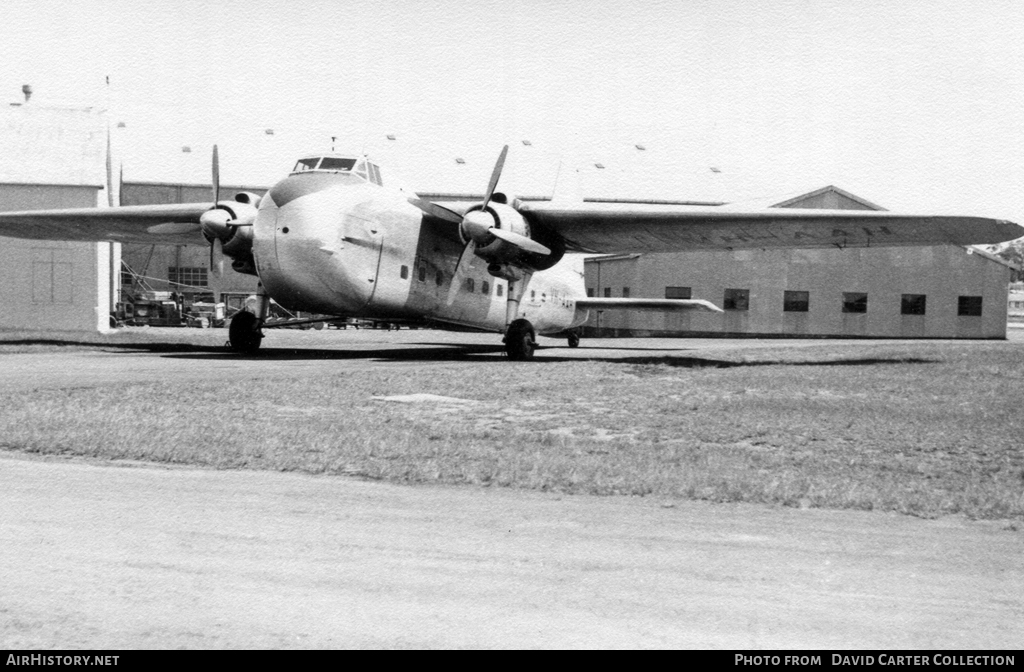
[{"x": 102, "y": 554}]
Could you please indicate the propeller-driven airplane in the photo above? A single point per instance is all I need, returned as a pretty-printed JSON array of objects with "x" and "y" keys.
[{"x": 335, "y": 238}]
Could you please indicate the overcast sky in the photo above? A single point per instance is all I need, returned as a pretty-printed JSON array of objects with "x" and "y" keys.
[{"x": 913, "y": 105}]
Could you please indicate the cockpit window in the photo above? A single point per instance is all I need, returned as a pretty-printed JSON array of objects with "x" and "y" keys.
[
  {"x": 333, "y": 163},
  {"x": 306, "y": 164}
]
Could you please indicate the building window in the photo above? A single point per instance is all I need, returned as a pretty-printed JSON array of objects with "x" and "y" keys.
[
  {"x": 590, "y": 292},
  {"x": 405, "y": 272},
  {"x": 969, "y": 305},
  {"x": 485, "y": 287},
  {"x": 608, "y": 292},
  {"x": 678, "y": 293},
  {"x": 500, "y": 290},
  {"x": 913, "y": 304},
  {"x": 855, "y": 302},
  {"x": 625, "y": 292},
  {"x": 470, "y": 285},
  {"x": 187, "y": 276},
  {"x": 795, "y": 302},
  {"x": 423, "y": 273},
  {"x": 127, "y": 278},
  {"x": 736, "y": 299}
]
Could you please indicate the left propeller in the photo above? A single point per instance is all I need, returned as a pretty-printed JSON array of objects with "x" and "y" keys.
[{"x": 482, "y": 225}]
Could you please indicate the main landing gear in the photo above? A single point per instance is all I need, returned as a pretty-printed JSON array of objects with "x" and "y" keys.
[
  {"x": 244, "y": 335},
  {"x": 246, "y": 331},
  {"x": 520, "y": 340},
  {"x": 574, "y": 339}
]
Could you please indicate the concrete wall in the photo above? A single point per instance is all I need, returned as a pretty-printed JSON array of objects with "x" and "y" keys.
[
  {"x": 941, "y": 273},
  {"x": 53, "y": 286},
  {"x": 53, "y": 157}
]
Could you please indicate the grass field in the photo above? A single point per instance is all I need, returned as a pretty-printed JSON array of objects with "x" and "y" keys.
[{"x": 927, "y": 428}]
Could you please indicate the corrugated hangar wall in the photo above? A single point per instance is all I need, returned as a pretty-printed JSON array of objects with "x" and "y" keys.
[
  {"x": 51, "y": 158},
  {"x": 910, "y": 292}
]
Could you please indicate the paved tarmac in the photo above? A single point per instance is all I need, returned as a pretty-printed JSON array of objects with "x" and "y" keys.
[{"x": 99, "y": 554}]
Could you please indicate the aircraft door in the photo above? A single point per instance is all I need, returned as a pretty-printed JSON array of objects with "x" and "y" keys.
[{"x": 359, "y": 253}]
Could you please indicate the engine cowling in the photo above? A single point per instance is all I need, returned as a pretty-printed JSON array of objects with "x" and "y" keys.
[
  {"x": 230, "y": 223},
  {"x": 478, "y": 227}
]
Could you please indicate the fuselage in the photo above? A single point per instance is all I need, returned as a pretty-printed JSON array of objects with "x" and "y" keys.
[{"x": 340, "y": 243}]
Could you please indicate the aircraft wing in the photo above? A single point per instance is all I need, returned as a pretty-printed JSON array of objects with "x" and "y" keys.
[
  {"x": 647, "y": 304},
  {"x": 625, "y": 228},
  {"x": 175, "y": 224}
]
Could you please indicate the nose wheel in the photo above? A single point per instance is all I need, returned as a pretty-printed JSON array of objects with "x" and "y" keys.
[{"x": 520, "y": 340}]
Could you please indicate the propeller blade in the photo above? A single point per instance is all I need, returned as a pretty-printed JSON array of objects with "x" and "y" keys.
[
  {"x": 495, "y": 175},
  {"x": 217, "y": 258},
  {"x": 521, "y": 242},
  {"x": 216, "y": 176},
  {"x": 436, "y": 210}
]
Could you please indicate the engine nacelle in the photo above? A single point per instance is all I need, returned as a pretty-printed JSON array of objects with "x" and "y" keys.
[
  {"x": 498, "y": 252},
  {"x": 230, "y": 222}
]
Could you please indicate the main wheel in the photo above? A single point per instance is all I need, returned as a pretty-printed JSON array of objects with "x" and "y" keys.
[
  {"x": 243, "y": 334},
  {"x": 519, "y": 341},
  {"x": 574, "y": 340}
]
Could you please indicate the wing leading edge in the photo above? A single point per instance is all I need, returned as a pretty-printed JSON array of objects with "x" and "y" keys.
[
  {"x": 625, "y": 228},
  {"x": 175, "y": 224}
]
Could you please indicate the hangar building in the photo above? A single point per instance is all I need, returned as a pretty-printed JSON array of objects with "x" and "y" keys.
[
  {"x": 54, "y": 157},
  {"x": 941, "y": 291}
]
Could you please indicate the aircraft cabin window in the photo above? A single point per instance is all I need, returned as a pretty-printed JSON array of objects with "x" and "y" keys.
[
  {"x": 533, "y": 295},
  {"x": 335, "y": 163},
  {"x": 485, "y": 287},
  {"x": 405, "y": 272},
  {"x": 439, "y": 278},
  {"x": 678, "y": 293},
  {"x": 423, "y": 273},
  {"x": 499, "y": 290},
  {"x": 469, "y": 284}
]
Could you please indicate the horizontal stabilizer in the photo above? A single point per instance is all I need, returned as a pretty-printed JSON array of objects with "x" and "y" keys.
[{"x": 647, "y": 304}]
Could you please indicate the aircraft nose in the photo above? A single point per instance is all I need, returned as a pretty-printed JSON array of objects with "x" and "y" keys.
[{"x": 297, "y": 186}]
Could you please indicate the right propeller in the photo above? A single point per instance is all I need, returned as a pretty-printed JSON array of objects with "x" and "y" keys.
[
  {"x": 221, "y": 223},
  {"x": 215, "y": 222}
]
